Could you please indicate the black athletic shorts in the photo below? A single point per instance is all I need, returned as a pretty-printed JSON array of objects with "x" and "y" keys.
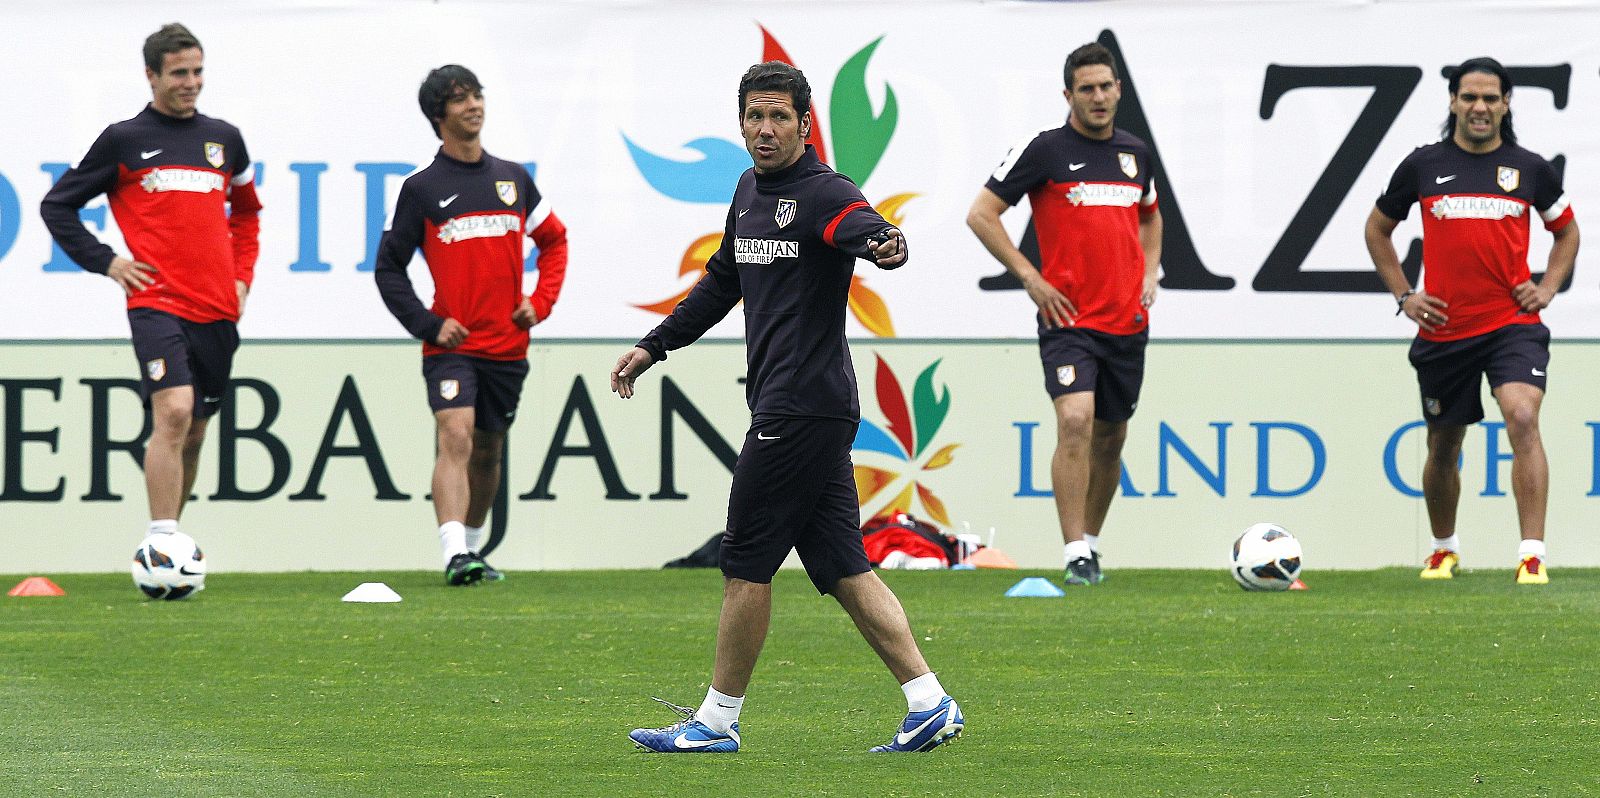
[
  {"x": 794, "y": 488},
  {"x": 492, "y": 387},
  {"x": 1089, "y": 360},
  {"x": 174, "y": 352},
  {"x": 1450, "y": 373}
]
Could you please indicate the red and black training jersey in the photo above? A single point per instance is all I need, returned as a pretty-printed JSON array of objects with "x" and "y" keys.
[
  {"x": 788, "y": 250},
  {"x": 1088, "y": 196},
  {"x": 469, "y": 220},
  {"x": 183, "y": 194},
  {"x": 1475, "y": 228}
]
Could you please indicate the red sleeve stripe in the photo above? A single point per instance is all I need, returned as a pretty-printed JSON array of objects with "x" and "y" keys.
[
  {"x": 833, "y": 226},
  {"x": 1561, "y": 221}
]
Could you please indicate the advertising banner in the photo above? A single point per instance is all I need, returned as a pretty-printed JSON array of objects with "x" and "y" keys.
[
  {"x": 321, "y": 458},
  {"x": 1274, "y": 127}
]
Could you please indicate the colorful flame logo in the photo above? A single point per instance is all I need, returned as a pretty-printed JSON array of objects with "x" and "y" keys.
[
  {"x": 908, "y": 435},
  {"x": 859, "y": 138}
]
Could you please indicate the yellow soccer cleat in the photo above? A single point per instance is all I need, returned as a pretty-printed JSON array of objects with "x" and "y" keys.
[
  {"x": 1442, "y": 564},
  {"x": 1531, "y": 572}
]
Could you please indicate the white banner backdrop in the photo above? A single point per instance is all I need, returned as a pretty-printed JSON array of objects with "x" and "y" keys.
[{"x": 1276, "y": 125}]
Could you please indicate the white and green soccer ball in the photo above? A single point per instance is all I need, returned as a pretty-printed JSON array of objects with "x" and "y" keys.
[
  {"x": 169, "y": 566},
  {"x": 1266, "y": 557}
]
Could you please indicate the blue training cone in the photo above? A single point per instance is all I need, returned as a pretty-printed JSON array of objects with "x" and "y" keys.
[{"x": 1034, "y": 587}]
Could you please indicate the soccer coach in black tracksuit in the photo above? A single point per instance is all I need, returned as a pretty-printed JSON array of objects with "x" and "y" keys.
[{"x": 792, "y": 236}]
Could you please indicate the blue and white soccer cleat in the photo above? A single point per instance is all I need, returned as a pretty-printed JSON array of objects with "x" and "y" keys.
[
  {"x": 687, "y": 736},
  {"x": 925, "y": 731}
]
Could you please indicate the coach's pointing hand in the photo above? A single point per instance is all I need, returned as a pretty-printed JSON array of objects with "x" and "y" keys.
[
  {"x": 890, "y": 250},
  {"x": 628, "y": 368}
]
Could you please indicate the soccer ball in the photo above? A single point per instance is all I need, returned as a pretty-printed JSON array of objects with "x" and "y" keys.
[
  {"x": 1266, "y": 557},
  {"x": 169, "y": 566}
]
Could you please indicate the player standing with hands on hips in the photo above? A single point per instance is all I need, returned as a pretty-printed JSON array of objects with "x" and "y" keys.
[
  {"x": 182, "y": 189},
  {"x": 469, "y": 212},
  {"x": 1099, "y": 231},
  {"x": 789, "y": 246},
  {"x": 1477, "y": 312}
]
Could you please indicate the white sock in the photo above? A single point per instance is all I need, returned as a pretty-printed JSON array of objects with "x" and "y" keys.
[
  {"x": 1076, "y": 549},
  {"x": 1530, "y": 548},
  {"x": 719, "y": 711},
  {"x": 475, "y": 538},
  {"x": 164, "y": 526},
  {"x": 1093, "y": 541},
  {"x": 452, "y": 539},
  {"x": 923, "y": 693},
  {"x": 1452, "y": 543}
]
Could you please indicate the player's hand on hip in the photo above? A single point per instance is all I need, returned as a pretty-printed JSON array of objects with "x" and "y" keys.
[
  {"x": 132, "y": 275},
  {"x": 632, "y": 363},
  {"x": 1057, "y": 310},
  {"x": 451, "y": 334},
  {"x": 1533, "y": 297},
  {"x": 1426, "y": 310},
  {"x": 524, "y": 316},
  {"x": 889, "y": 249}
]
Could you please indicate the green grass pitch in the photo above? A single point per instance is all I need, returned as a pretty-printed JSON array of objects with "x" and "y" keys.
[{"x": 1155, "y": 683}]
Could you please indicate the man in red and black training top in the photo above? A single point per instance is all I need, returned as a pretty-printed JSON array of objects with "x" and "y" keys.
[
  {"x": 182, "y": 189},
  {"x": 793, "y": 233},
  {"x": 1477, "y": 312},
  {"x": 469, "y": 211},
  {"x": 1099, "y": 232}
]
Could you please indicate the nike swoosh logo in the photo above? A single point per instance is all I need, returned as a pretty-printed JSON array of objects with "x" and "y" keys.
[
  {"x": 445, "y": 203},
  {"x": 1073, "y": 167},
  {"x": 906, "y": 737},
  {"x": 184, "y": 569},
  {"x": 211, "y": 400},
  {"x": 145, "y": 156},
  {"x": 1442, "y": 180},
  {"x": 761, "y": 436},
  {"x": 743, "y": 212},
  {"x": 683, "y": 741},
  {"x": 1538, "y": 373}
]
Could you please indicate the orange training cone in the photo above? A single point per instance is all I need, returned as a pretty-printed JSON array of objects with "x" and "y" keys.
[
  {"x": 37, "y": 586},
  {"x": 1298, "y": 585},
  {"x": 990, "y": 557}
]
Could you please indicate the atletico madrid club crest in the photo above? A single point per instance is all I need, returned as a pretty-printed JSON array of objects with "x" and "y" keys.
[
  {"x": 506, "y": 190},
  {"x": 786, "y": 211},
  {"x": 156, "y": 368},
  {"x": 214, "y": 154},
  {"x": 449, "y": 389},
  {"x": 1508, "y": 178},
  {"x": 1066, "y": 375},
  {"x": 1129, "y": 164}
]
